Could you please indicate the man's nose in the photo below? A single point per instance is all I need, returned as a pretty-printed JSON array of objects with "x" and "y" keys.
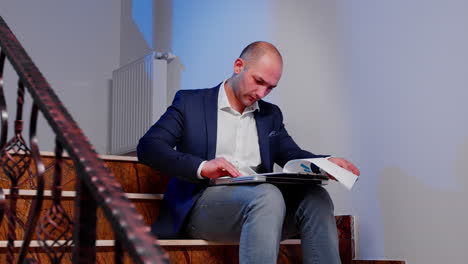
[{"x": 261, "y": 92}]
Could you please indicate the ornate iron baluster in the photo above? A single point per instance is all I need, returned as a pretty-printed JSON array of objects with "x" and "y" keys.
[
  {"x": 15, "y": 160},
  {"x": 56, "y": 225},
  {"x": 85, "y": 225},
  {"x": 118, "y": 252},
  {"x": 3, "y": 107},
  {"x": 36, "y": 205},
  {"x": 4, "y": 130}
]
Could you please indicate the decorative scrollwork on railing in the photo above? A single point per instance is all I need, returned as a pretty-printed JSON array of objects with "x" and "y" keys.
[
  {"x": 4, "y": 130},
  {"x": 15, "y": 158},
  {"x": 95, "y": 184},
  {"x": 3, "y": 110},
  {"x": 35, "y": 208},
  {"x": 54, "y": 231}
]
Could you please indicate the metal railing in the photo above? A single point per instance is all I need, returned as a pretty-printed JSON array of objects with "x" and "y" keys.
[{"x": 96, "y": 187}]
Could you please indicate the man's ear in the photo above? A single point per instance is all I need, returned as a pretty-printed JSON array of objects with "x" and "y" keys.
[{"x": 239, "y": 65}]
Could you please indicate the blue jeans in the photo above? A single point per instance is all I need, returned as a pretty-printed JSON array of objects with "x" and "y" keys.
[{"x": 260, "y": 216}]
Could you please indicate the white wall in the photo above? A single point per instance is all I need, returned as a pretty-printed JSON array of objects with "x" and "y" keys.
[
  {"x": 75, "y": 44},
  {"x": 311, "y": 92},
  {"x": 407, "y": 64}
]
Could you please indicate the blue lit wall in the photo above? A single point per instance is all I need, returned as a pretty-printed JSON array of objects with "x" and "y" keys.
[
  {"x": 209, "y": 35},
  {"x": 142, "y": 14}
]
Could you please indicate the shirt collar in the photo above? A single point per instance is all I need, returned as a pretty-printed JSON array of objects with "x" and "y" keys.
[{"x": 223, "y": 102}]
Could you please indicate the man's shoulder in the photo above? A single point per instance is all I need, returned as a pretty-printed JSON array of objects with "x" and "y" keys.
[
  {"x": 267, "y": 106},
  {"x": 198, "y": 92}
]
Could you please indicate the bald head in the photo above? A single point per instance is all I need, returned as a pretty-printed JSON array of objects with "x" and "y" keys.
[
  {"x": 255, "y": 50},
  {"x": 256, "y": 72}
]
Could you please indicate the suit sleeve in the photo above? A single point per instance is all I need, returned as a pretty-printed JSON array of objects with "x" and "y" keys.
[
  {"x": 156, "y": 147},
  {"x": 287, "y": 147}
]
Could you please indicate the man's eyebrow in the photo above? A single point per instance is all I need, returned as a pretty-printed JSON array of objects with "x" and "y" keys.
[{"x": 262, "y": 80}]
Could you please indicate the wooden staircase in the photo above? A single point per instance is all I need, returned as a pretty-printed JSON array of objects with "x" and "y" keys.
[{"x": 145, "y": 187}]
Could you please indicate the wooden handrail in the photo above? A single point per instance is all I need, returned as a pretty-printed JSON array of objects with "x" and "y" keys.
[{"x": 97, "y": 186}]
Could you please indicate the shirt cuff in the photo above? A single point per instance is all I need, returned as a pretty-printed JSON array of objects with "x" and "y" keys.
[{"x": 199, "y": 170}]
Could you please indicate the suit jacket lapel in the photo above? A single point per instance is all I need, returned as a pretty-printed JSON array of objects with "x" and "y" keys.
[
  {"x": 261, "y": 121},
  {"x": 211, "y": 117}
]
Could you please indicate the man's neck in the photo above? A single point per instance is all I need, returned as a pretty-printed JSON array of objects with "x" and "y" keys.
[{"x": 232, "y": 99}]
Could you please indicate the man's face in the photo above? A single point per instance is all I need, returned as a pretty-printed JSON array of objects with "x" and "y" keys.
[{"x": 257, "y": 79}]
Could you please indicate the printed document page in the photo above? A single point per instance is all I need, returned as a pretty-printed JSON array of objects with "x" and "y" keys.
[{"x": 343, "y": 176}]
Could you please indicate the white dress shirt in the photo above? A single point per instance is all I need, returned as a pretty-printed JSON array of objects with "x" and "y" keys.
[{"x": 237, "y": 138}]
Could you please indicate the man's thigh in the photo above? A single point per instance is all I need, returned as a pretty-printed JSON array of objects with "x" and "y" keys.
[{"x": 220, "y": 212}]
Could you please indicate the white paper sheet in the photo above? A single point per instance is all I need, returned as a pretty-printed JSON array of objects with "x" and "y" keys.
[{"x": 343, "y": 176}]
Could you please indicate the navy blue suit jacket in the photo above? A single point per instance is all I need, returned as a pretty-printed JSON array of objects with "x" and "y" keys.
[{"x": 190, "y": 126}]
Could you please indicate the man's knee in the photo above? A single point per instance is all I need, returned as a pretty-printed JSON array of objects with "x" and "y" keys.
[{"x": 269, "y": 200}]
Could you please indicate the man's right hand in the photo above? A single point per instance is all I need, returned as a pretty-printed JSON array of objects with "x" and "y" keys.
[{"x": 219, "y": 167}]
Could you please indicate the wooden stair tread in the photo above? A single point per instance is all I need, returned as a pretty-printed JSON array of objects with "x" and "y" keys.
[{"x": 162, "y": 242}]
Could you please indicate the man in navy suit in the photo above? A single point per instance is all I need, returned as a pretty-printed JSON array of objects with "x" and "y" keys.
[{"x": 225, "y": 131}]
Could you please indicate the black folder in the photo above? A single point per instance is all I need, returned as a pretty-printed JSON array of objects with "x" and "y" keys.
[{"x": 275, "y": 177}]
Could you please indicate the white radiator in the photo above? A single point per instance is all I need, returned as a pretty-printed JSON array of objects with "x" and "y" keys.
[{"x": 140, "y": 95}]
